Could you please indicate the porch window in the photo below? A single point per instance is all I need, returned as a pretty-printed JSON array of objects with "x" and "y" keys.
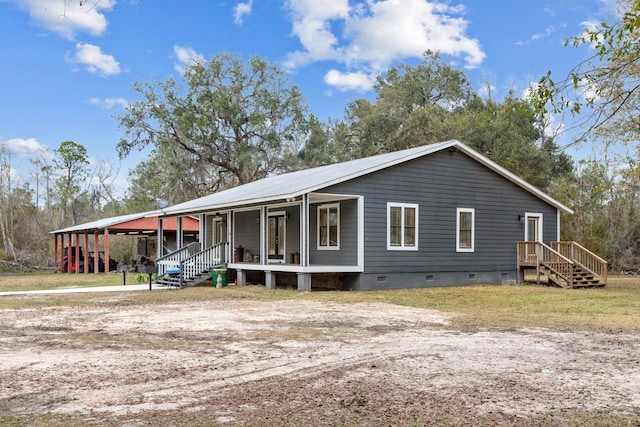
[
  {"x": 465, "y": 233},
  {"x": 402, "y": 226},
  {"x": 329, "y": 227}
]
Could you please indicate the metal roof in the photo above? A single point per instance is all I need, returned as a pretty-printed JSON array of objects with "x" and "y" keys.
[{"x": 294, "y": 184}]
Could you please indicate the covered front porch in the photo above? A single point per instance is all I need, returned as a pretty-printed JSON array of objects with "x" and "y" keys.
[{"x": 310, "y": 234}]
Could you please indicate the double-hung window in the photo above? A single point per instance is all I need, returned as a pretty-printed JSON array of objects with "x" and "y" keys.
[
  {"x": 465, "y": 229},
  {"x": 329, "y": 226},
  {"x": 402, "y": 226}
]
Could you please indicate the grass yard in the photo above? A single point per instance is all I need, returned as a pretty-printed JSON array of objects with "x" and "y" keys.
[{"x": 615, "y": 307}]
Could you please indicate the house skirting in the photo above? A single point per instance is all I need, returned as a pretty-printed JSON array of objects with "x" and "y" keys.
[
  {"x": 379, "y": 281},
  {"x": 376, "y": 281}
]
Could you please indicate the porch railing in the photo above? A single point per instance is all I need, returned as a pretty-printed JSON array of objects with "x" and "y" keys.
[
  {"x": 541, "y": 255},
  {"x": 203, "y": 261},
  {"x": 173, "y": 259},
  {"x": 583, "y": 257},
  {"x": 192, "y": 262}
]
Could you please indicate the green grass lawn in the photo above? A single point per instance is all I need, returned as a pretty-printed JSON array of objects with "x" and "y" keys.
[{"x": 615, "y": 307}]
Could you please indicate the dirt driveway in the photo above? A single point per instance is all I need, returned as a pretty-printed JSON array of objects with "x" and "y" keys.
[{"x": 303, "y": 363}]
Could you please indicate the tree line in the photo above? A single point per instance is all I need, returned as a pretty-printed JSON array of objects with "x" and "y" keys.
[{"x": 229, "y": 121}]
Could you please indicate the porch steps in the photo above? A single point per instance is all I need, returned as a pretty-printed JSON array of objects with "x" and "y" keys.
[
  {"x": 582, "y": 278},
  {"x": 173, "y": 280}
]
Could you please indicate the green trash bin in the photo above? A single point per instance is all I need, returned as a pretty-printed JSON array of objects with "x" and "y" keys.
[{"x": 219, "y": 275}]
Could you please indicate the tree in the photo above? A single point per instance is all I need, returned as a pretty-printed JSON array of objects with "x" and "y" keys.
[
  {"x": 431, "y": 102},
  {"x": 71, "y": 159},
  {"x": 412, "y": 106},
  {"x": 240, "y": 120},
  {"x": 604, "y": 90}
]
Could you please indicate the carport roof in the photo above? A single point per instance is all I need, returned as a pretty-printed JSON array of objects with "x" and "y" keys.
[{"x": 132, "y": 223}]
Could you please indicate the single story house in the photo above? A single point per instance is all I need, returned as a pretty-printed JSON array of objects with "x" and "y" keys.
[{"x": 434, "y": 215}]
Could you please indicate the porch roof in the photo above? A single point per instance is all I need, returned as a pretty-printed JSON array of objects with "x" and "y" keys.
[{"x": 295, "y": 184}]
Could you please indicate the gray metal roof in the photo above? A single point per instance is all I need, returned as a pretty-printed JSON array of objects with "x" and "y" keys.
[
  {"x": 294, "y": 184},
  {"x": 102, "y": 224}
]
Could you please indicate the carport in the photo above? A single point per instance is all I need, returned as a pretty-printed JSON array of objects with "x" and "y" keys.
[{"x": 76, "y": 239}]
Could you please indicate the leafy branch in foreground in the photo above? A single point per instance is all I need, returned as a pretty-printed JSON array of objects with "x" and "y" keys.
[{"x": 603, "y": 91}]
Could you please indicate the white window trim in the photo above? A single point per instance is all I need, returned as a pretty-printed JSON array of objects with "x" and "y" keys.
[
  {"x": 402, "y": 247},
  {"x": 527, "y": 215},
  {"x": 473, "y": 229},
  {"x": 327, "y": 206}
]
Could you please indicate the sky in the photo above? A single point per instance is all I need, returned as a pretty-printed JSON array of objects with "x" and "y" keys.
[{"x": 67, "y": 66}]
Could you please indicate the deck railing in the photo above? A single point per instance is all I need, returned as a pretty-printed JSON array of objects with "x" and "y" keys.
[
  {"x": 583, "y": 257},
  {"x": 538, "y": 254}
]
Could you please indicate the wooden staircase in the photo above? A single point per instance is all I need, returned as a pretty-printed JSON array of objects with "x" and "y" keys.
[
  {"x": 174, "y": 280},
  {"x": 193, "y": 265},
  {"x": 565, "y": 264}
]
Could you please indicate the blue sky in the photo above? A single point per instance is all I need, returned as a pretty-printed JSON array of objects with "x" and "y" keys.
[{"x": 68, "y": 66}]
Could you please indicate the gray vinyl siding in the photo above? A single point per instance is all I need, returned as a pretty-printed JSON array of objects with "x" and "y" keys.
[
  {"x": 348, "y": 253},
  {"x": 293, "y": 231},
  {"x": 440, "y": 183},
  {"x": 247, "y": 231}
]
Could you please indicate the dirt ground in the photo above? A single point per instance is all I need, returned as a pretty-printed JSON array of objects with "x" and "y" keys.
[{"x": 303, "y": 363}]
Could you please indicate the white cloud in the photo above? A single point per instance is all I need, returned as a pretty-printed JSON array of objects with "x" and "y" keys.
[
  {"x": 109, "y": 103},
  {"x": 369, "y": 36},
  {"x": 547, "y": 32},
  {"x": 68, "y": 18},
  {"x": 94, "y": 60},
  {"x": 27, "y": 148},
  {"x": 185, "y": 56},
  {"x": 241, "y": 10},
  {"x": 349, "y": 81}
]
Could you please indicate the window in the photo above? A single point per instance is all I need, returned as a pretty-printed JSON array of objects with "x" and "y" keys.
[
  {"x": 402, "y": 226},
  {"x": 465, "y": 233},
  {"x": 329, "y": 227}
]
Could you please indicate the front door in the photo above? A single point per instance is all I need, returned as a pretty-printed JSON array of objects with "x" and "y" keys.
[{"x": 276, "y": 231}]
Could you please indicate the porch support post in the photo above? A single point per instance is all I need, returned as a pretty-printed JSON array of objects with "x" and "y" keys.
[
  {"x": 77, "y": 257},
  {"x": 61, "y": 253},
  {"x": 304, "y": 282},
  {"x": 107, "y": 263},
  {"x": 96, "y": 253},
  {"x": 241, "y": 277},
  {"x": 263, "y": 235},
  {"x": 179, "y": 233},
  {"x": 360, "y": 236},
  {"x": 160, "y": 240},
  {"x": 55, "y": 251},
  {"x": 270, "y": 279},
  {"x": 86, "y": 253},
  {"x": 230, "y": 244},
  {"x": 304, "y": 226},
  {"x": 202, "y": 236}
]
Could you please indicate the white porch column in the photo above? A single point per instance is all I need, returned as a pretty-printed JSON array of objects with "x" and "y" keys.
[
  {"x": 304, "y": 231},
  {"x": 179, "y": 233},
  {"x": 263, "y": 236},
  {"x": 160, "y": 240}
]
